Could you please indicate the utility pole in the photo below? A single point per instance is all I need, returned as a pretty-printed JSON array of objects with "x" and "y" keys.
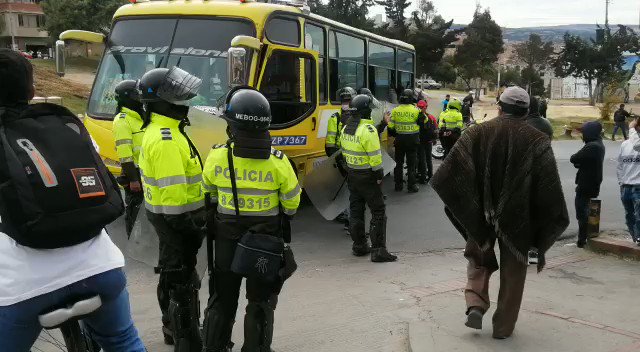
[
  {"x": 606, "y": 16},
  {"x": 12, "y": 31}
]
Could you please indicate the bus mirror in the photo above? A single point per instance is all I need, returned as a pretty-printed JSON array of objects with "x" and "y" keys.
[
  {"x": 237, "y": 66},
  {"x": 245, "y": 41},
  {"x": 60, "y": 62}
]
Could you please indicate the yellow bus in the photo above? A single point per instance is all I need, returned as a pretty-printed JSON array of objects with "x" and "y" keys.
[{"x": 298, "y": 60}]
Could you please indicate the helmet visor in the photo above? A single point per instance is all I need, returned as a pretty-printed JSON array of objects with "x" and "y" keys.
[{"x": 179, "y": 86}]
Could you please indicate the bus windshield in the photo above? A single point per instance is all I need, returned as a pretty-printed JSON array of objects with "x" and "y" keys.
[{"x": 197, "y": 45}]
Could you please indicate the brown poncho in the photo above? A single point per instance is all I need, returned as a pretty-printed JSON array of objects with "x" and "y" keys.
[{"x": 501, "y": 180}]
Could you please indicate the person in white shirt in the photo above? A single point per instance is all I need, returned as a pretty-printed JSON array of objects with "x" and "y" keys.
[
  {"x": 629, "y": 179},
  {"x": 36, "y": 281}
]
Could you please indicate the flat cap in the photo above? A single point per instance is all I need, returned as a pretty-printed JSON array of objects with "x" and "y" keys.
[{"x": 515, "y": 96}]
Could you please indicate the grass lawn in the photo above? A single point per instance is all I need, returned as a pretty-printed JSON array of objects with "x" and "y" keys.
[{"x": 560, "y": 123}]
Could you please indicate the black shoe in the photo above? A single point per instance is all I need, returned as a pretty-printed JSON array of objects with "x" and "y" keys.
[
  {"x": 381, "y": 255},
  {"x": 346, "y": 225},
  {"x": 581, "y": 244},
  {"x": 474, "y": 318},
  {"x": 423, "y": 181},
  {"x": 413, "y": 189},
  {"x": 360, "y": 250},
  {"x": 398, "y": 188}
]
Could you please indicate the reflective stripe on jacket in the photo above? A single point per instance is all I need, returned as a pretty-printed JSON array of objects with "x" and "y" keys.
[
  {"x": 128, "y": 135},
  {"x": 265, "y": 187},
  {"x": 334, "y": 127},
  {"x": 362, "y": 151},
  {"x": 404, "y": 119},
  {"x": 451, "y": 119},
  {"x": 171, "y": 171}
]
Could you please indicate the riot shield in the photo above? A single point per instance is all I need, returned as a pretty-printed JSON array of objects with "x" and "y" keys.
[
  {"x": 326, "y": 185},
  {"x": 143, "y": 246},
  {"x": 206, "y": 129}
]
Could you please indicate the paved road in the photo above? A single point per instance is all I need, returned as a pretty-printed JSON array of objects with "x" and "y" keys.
[{"x": 418, "y": 231}]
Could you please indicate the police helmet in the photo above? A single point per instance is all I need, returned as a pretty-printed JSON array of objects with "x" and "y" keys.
[
  {"x": 347, "y": 94},
  {"x": 455, "y": 104},
  {"x": 247, "y": 109},
  {"x": 126, "y": 91},
  {"x": 174, "y": 85},
  {"x": 407, "y": 97},
  {"x": 361, "y": 106},
  {"x": 365, "y": 91}
]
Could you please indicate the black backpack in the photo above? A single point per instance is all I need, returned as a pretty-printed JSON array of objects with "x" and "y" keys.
[{"x": 55, "y": 191}]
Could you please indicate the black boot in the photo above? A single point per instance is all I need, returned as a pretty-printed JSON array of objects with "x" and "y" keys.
[
  {"x": 360, "y": 249},
  {"x": 474, "y": 318},
  {"x": 413, "y": 189},
  {"x": 258, "y": 326},
  {"x": 381, "y": 255},
  {"x": 398, "y": 187},
  {"x": 378, "y": 233}
]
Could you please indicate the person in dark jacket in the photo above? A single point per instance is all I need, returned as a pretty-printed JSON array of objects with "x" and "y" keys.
[
  {"x": 534, "y": 119},
  {"x": 589, "y": 162},
  {"x": 428, "y": 135},
  {"x": 543, "y": 107},
  {"x": 620, "y": 118}
]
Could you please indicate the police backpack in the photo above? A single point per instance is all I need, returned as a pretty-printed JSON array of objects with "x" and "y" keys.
[{"x": 55, "y": 191}]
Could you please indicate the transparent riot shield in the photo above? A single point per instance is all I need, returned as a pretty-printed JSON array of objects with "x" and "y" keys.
[
  {"x": 143, "y": 246},
  {"x": 326, "y": 185},
  {"x": 206, "y": 129}
]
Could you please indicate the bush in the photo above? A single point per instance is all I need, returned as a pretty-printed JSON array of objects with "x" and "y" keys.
[{"x": 611, "y": 100}]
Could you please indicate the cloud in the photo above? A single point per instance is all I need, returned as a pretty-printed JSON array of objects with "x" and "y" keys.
[{"x": 527, "y": 13}]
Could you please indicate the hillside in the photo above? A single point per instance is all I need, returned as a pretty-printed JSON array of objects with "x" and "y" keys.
[{"x": 553, "y": 33}]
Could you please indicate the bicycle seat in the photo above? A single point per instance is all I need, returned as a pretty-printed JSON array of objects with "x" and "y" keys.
[{"x": 54, "y": 319}]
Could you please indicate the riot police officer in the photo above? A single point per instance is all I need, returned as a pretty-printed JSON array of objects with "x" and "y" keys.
[
  {"x": 337, "y": 121},
  {"x": 171, "y": 176},
  {"x": 451, "y": 124},
  {"x": 405, "y": 126},
  {"x": 361, "y": 149},
  {"x": 268, "y": 195},
  {"x": 127, "y": 132}
]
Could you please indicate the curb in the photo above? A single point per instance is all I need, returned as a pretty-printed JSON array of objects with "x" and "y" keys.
[{"x": 610, "y": 245}]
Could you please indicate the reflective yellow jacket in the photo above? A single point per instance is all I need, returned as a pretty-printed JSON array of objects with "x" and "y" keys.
[
  {"x": 171, "y": 171},
  {"x": 128, "y": 134},
  {"x": 265, "y": 187},
  {"x": 404, "y": 119},
  {"x": 451, "y": 119},
  {"x": 362, "y": 151}
]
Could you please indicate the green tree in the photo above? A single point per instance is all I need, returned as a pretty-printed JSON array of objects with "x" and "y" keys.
[
  {"x": 89, "y": 15},
  {"x": 350, "y": 12},
  {"x": 601, "y": 62},
  {"x": 430, "y": 37},
  {"x": 535, "y": 54},
  {"x": 511, "y": 76},
  {"x": 474, "y": 59},
  {"x": 444, "y": 72},
  {"x": 394, "y": 9}
]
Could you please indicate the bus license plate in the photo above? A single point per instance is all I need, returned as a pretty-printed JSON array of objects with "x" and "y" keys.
[{"x": 288, "y": 140}]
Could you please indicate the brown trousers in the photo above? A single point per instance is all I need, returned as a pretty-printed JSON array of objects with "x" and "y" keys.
[{"x": 512, "y": 277}]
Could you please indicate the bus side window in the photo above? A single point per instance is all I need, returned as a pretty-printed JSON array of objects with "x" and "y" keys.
[
  {"x": 347, "y": 63},
  {"x": 289, "y": 84},
  {"x": 315, "y": 40}
]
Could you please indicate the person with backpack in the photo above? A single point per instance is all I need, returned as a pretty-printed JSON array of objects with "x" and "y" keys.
[
  {"x": 56, "y": 199},
  {"x": 127, "y": 133},
  {"x": 428, "y": 134},
  {"x": 256, "y": 193},
  {"x": 171, "y": 175}
]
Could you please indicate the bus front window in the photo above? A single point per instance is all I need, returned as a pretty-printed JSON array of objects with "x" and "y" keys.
[{"x": 198, "y": 46}]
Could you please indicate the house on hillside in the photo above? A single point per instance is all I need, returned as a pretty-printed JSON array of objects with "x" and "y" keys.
[{"x": 21, "y": 23}]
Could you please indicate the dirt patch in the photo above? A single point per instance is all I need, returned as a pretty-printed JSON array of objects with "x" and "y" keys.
[{"x": 74, "y": 95}]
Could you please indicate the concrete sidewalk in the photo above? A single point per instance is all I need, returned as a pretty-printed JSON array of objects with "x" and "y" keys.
[{"x": 582, "y": 302}]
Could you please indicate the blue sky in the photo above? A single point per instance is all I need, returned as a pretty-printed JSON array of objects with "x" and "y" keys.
[{"x": 528, "y": 13}]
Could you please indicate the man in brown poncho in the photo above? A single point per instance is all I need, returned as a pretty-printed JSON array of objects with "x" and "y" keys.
[{"x": 501, "y": 181}]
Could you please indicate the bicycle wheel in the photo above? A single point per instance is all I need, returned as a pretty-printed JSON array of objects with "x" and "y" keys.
[{"x": 73, "y": 337}]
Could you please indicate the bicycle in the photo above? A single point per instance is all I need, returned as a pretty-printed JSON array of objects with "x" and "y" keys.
[{"x": 67, "y": 320}]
